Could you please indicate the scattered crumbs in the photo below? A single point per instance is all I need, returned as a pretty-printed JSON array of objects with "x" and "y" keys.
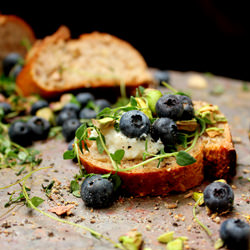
[
  {"x": 50, "y": 234},
  {"x": 217, "y": 219},
  {"x": 190, "y": 204},
  {"x": 172, "y": 205},
  {"x": 148, "y": 227},
  {"x": 6, "y": 225},
  {"x": 246, "y": 171},
  {"x": 197, "y": 82},
  {"x": 233, "y": 187},
  {"x": 92, "y": 221},
  {"x": 188, "y": 194},
  {"x": 189, "y": 228}
]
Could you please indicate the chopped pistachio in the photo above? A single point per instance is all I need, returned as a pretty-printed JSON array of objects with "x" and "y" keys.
[
  {"x": 103, "y": 123},
  {"x": 175, "y": 245},
  {"x": 198, "y": 196},
  {"x": 132, "y": 241},
  {"x": 219, "y": 244},
  {"x": 47, "y": 114},
  {"x": 189, "y": 125},
  {"x": 166, "y": 237},
  {"x": 214, "y": 131},
  {"x": 152, "y": 96},
  {"x": 142, "y": 103},
  {"x": 217, "y": 90}
]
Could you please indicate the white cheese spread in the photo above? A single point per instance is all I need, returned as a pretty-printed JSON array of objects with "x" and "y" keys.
[{"x": 133, "y": 147}]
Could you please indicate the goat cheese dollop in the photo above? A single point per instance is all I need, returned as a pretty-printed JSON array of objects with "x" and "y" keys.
[{"x": 133, "y": 147}]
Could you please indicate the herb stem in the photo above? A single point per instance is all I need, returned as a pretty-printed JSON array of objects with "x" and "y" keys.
[
  {"x": 196, "y": 136},
  {"x": 123, "y": 89},
  {"x": 19, "y": 147},
  {"x": 147, "y": 161},
  {"x": 209, "y": 233},
  {"x": 19, "y": 181},
  {"x": 169, "y": 87},
  {"x": 77, "y": 152},
  {"x": 9, "y": 210}
]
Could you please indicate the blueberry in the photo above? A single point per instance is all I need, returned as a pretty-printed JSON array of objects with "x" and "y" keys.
[
  {"x": 10, "y": 61},
  {"x": 84, "y": 98},
  {"x": 102, "y": 104},
  {"x": 65, "y": 115},
  {"x": 188, "y": 112},
  {"x": 218, "y": 197},
  {"x": 164, "y": 129},
  {"x": 169, "y": 106},
  {"x": 6, "y": 107},
  {"x": 69, "y": 128},
  {"x": 15, "y": 71},
  {"x": 134, "y": 124},
  {"x": 39, "y": 128},
  {"x": 161, "y": 76},
  {"x": 38, "y": 105},
  {"x": 70, "y": 147},
  {"x": 20, "y": 133},
  {"x": 236, "y": 234},
  {"x": 72, "y": 107},
  {"x": 87, "y": 113},
  {"x": 97, "y": 192}
]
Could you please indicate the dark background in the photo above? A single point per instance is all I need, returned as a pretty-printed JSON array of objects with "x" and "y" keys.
[{"x": 205, "y": 36}]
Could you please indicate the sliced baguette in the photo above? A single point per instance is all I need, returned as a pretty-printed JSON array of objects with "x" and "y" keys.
[
  {"x": 58, "y": 64},
  {"x": 215, "y": 158},
  {"x": 13, "y": 32}
]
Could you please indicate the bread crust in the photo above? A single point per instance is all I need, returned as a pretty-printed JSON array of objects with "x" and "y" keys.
[
  {"x": 12, "y": 28},
  {"x": 25, "y": 80},
  {"x": 28, "y": 83},
  {"x": 215, "y": 159}
]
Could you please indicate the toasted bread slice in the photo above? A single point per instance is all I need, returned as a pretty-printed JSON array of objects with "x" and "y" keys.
[
  {"x": 58, "y": 64},
  {"x": 14, "y": 32},
  {"x": 215, "y": 158}
]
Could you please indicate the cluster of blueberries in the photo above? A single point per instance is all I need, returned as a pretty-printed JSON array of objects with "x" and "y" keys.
[
  {"x": 169, "y": 108},
  {"x": 37, "y": 128}
]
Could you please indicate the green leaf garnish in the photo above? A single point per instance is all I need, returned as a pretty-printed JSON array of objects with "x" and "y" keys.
[
  {"x": 99, "y": 145},
  {"x": 183, "y": 158},
  {"x": 81, "y": 131},
  {"x": 48, "y": 188},
  {"x": 118, "y": 155},
  {"x": 36, "y": 201},
  {"x": 69, "y": 155},
  {"x": 133, "y": 101},
  {"x": 74, "y": 186}
]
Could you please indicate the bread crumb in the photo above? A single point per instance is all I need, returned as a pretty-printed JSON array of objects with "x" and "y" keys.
[{"x": 197, "y": 82}]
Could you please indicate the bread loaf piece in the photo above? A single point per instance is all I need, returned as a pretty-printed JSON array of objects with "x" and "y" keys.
[
  {"x": 215, "y": 158},
  {"x": 58, "y": 64},
  {"x": 14, "y": 32}
]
